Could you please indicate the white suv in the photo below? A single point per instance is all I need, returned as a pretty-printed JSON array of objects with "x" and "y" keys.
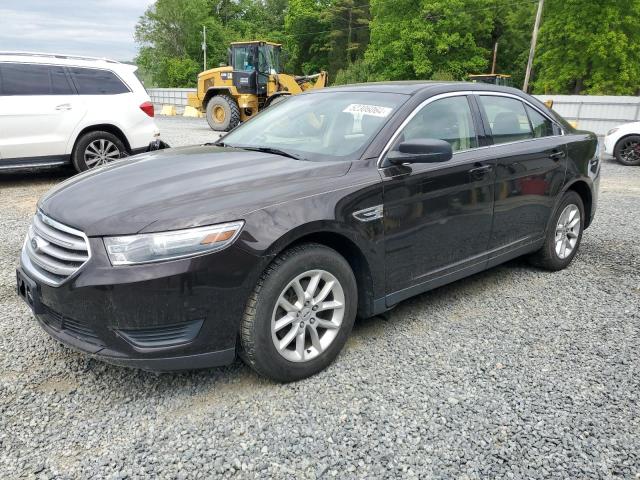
[{"x": 57, "y": 109}]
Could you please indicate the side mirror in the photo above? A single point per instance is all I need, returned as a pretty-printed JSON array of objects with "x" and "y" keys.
[{"x": 421, "y": 151}]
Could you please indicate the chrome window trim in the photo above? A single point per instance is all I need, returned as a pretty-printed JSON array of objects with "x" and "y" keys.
[{"x": 415, "y": 111}]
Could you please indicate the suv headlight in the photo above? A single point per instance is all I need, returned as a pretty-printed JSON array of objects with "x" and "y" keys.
[
  {"x": 612, "y": 131},
  {"x": 157, "y": 247}
]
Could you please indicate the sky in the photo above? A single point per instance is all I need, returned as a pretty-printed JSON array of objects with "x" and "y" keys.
[{"x": 98, "y": 28}]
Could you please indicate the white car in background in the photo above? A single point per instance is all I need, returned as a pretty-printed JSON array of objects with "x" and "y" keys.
[
  {"x": 623, "y": 143},
  {"x": 57, "y": 109}
]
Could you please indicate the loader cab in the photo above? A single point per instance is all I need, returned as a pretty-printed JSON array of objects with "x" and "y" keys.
[{"x": 253, "y": 63}]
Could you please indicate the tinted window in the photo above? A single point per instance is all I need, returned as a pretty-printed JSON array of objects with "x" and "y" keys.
[
  {"x": 507, "y": 119},
  {"x": 91, "y": 81},
  {"x": 448, "y": 119},
  {"x": 542, "y": 126},
  {"x": 30, "y": 79}
]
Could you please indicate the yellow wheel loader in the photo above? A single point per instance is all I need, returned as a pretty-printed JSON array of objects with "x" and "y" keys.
[{"x": 253, "y": 80}]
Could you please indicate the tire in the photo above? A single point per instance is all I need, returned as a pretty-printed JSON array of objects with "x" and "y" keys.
[
  {"x": 278, "y": 99},
  {"x": 553, "y": 256},
  {"x": 258, "y": 331},
  {"x": 88, "y": 153},
  {"x": 627, "y": 151},
  {"x": 223, "y": 113}
]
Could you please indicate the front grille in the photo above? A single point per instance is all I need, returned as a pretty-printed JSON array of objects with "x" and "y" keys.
[
  {"x": 162, "y": 336},
  {"x": 53, "y": 252},
  {"x": 73, "y": 327}
]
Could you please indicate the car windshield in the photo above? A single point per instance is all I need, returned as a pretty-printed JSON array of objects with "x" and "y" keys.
[{"x": 319, "y": 126}]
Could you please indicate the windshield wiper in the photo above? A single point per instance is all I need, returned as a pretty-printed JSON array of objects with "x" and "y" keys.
[{"x": 275, "y": 151}]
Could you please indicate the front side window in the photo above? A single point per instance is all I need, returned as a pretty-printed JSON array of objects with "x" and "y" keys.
[
  {"x": 542, "y": 126},
  {"x": 319, "y": 126},
  {"x": 93, "y": 81},
  {"x": 33, "y": 79},
  {"x": 448, "y": 119},
  {"x": 507, "y": 118},
  {"x": 243, "y": 58}
]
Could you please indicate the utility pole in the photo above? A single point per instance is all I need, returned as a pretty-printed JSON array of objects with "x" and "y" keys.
[
  {"x": 204, "y": 45},
  {"x": 534, "y": 39},
  {"x": 495, "y": 58}
]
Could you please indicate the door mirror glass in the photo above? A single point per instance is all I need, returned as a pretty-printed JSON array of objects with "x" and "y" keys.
[{"x": 421, "y": 151}]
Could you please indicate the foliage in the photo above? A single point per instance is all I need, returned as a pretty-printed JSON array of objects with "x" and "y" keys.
[
  {"x": 585, "y": 46},
  {"x": 589, "y": 47}
]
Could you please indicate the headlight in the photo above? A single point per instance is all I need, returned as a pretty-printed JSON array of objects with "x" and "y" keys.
[
  {"x": 156, "y": 247},
  {"x": 612, "y": 131}
]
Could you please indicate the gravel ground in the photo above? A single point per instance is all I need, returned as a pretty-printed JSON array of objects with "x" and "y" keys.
[{"x": 512, "y": 373}]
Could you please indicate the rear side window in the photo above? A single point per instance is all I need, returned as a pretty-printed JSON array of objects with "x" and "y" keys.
[
  {"x": 542, "y": 126},
  {"x": 507, "y": 117},
  {"x": 92, "y": 81},
  {"x": 32, "y": 79}
]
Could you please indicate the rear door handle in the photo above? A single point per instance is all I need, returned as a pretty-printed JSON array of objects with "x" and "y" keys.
[
  {"x": 479, "y": 172},
  {"x": 557, "y": 155},
  {"x": 64, "y": 106}
]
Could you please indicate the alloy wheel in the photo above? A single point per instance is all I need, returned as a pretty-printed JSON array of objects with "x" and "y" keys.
[
  {"x": 307, "y": 316},
  {"x": 100, "y": 152},
  {"x": 630, "y": 151},
  {"x": 567, "y": 231}
]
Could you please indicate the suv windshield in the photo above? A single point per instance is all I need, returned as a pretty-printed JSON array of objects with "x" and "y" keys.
[{"x": 319, "y": 126}]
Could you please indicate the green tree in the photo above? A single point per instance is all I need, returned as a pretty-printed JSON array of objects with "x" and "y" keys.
[
  {"x": 419, "y": 39},
  {"x": 304, "y": 42},
  {"x": 589, "y": 47},
  {"x": 348, "y": 36}
]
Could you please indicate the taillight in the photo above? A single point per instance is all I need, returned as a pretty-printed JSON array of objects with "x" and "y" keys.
[{"x": 147, "y": 107}]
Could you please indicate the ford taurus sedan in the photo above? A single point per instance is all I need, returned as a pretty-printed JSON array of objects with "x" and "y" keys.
[{"x": 332, "y": 204}]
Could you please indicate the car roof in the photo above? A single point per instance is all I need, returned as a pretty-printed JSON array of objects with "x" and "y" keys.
[
  {"x": 413, "y": 87},
  {"x": 63, "y": 59}
]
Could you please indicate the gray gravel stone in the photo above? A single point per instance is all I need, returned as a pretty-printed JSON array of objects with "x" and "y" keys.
[{"x": 512, "y": 373}]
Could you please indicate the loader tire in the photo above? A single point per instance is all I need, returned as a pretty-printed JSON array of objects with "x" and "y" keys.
[{"x": 223, "y": 113}]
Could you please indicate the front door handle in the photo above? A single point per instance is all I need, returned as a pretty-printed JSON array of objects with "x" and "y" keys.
[
  {"x": 64, "y": 107},
  {"x": 479, "y": 172},
  {"x": 557, "y": 155}
]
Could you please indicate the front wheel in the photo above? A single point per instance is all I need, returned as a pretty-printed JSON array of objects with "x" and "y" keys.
[
  {"x": 300, "y": 314},
  {"x": 223, "y": 113},
  {"x": 563, "y": 235},
  {"x": 627, "y": 151},
  {"x": 95, "y": 149}
]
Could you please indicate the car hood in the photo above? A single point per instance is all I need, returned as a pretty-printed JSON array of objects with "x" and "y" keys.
[{"x": 181, "y": 188}]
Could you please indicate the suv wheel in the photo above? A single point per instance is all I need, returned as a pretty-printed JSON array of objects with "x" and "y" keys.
[
  {"x": 300, "y": 314},
  {"x": 223, "y": 113},
  {"x": 563, "y": 234},
  {"x": 627, "y": 150},
  {"x": 95, "y": 149}
]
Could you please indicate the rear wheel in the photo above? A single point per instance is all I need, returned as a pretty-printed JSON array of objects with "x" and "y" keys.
[
  {"x": 223, "y": 113},
  {"x": 563, "y": 235},
  {"x": 300, "y": 314},
  {"x": 278, "y": 99},
  {"x": 95, "y": 149},
  {"x": 627, "y": 150}
]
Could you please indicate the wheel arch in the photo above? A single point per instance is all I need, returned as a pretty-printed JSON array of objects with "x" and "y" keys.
[
  {"x": 213, "y": 91},
  {"x": 582, "y": 188},
  {"x": 346, "y": 246},
  {"x": 623, "y": 137},
  {"x": 103, "y": 127}
]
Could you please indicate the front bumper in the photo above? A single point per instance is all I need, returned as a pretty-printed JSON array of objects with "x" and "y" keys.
[
  {"x": 609, "y": 145},
  {"x": 167, "y": 316}
]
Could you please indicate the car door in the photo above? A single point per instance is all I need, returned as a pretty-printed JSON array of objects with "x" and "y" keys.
[
  {"x": 38, "y": 110},
  {"x": 530, "y": 158},
  {"x": 437, "y": 217}
]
